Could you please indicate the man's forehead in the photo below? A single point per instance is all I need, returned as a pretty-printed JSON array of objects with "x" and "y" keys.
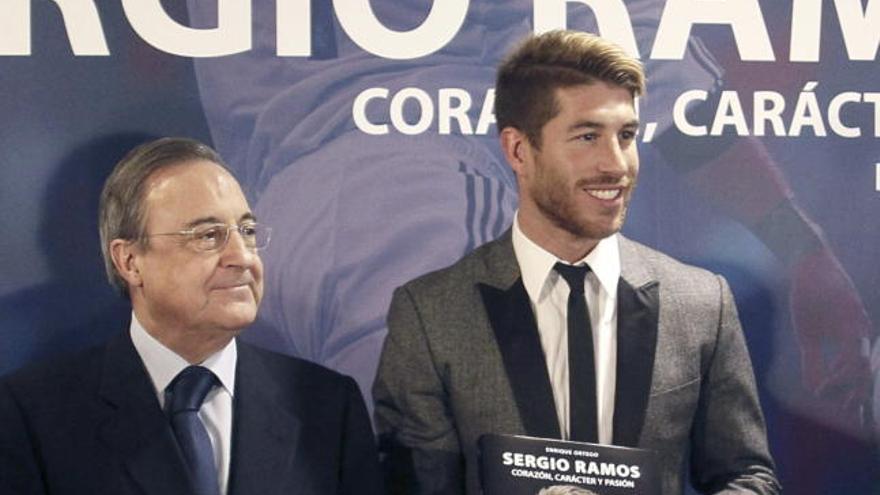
[
  {"x": 206, "y": 220},
  {"x": 187, "y": 170},
  {"x": 594, "y": 89},
  {"x": 189, "y": 191},
  {"x": 596, "y": 103}
]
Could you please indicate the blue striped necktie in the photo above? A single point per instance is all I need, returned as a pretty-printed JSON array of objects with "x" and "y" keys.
[{"x": 187, "y": 392}]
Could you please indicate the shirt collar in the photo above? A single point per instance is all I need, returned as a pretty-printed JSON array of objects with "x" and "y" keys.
[
  {"x": 536, "y": 263},
  {"x": 163, "y": 364}
]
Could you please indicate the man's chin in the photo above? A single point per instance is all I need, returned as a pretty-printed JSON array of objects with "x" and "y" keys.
[
  {"x": 590, "y": 225},
  {"x": 596, "y": 231},
  {"x": 237, "y": 316},
  {"x": 603, "y": 228}
]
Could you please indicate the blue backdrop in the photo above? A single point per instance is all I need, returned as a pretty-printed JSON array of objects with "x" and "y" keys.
[{"x": 362, "y": 132}]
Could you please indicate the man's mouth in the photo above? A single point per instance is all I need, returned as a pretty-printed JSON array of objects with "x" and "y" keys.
[
  {"x": 604, "y": 194},
  {"x": 234, "y": 284}
]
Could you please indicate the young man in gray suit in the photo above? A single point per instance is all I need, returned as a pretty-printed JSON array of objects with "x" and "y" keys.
[{"x": 562, "y": 327}]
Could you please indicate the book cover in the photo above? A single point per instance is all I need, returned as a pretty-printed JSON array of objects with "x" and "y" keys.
[{"x": 520, "y": 465}]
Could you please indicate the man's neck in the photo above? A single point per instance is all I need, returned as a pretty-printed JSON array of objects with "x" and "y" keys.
[{"x": 194, "y": 345}]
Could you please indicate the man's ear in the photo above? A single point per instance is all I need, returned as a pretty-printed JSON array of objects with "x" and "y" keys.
[
  {"x": 516, "y": 147},
  {"x": 125, "y": 256}
]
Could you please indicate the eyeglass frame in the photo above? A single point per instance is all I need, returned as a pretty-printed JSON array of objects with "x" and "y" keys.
[{"x": 191, "y": 232}]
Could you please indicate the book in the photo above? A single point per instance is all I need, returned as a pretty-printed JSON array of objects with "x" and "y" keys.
[{"x": 521, "y": 465}]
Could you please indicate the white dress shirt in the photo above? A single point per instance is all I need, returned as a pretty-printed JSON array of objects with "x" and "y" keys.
[
  {"x": 216, "y": 413},
  {"x": 548, "y": 293}
]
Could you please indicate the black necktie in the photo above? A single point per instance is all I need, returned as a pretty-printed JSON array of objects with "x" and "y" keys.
[
  {"x": 583, "y": 422},
  {"x": 187, "y": 392}
]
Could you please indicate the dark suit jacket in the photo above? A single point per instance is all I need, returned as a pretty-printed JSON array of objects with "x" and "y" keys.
[
  {"x": 91, "y": 424},
  {"x": 463, "y": 358}
]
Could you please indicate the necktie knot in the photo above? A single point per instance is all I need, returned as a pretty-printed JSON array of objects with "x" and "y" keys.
[
  {"x": 573, "y": 275},
  {"x": 189, "y": 389}
]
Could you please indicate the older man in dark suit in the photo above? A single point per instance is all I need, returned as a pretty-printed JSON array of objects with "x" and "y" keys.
[
  {"x": 176, "y": 405},
  {"x": 562, "y": 327}
]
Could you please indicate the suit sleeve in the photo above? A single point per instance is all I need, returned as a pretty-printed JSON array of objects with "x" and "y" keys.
[
  {"x": 729, "y": 439},
  {"x": 360, "y": 473},
  {"x": 19, "y": 470},
  {"x": 417, "y": 434}
]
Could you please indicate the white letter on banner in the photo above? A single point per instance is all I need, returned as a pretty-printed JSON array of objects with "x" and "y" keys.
[
  {"x": 874, "y": 98},
  {"x": 454, "y": 104},
  {"x": 612, "y": 19},
  {"x": 426, "y": 109},
  {"x": 360, "y": 23},
  {"x": 679, "y": 112},
  {"x": 487, "y": 113},
  {"x": 80, "y": 19},
  {"x": 807, "y": 112},
  {"x": 743, "y": 16},
  {"x": 232, "y": 34},
  {"x": 857, "y": 27},
  {"x": 15, "y": 28},
  {"x": 771, "y": 113},
  {"x": 834, "y": 109},
  {"x": 293, "y": 28},
  {"x": 729, "y": 112},
  {"x": 359, "y": 111},
  {"x": 806, "y": 30}
]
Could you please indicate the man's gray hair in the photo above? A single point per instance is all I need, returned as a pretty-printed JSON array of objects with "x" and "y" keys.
[
  {"x": 121, "y": 214},
  {"x": 565, "y": 490}
]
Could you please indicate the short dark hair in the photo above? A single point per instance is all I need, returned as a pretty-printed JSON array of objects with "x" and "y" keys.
[
  {"x": 121, "y": 214},
  {"x": 529, "y": 76}
]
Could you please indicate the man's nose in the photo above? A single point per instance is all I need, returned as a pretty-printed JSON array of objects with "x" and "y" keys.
[
  {"x": 236, "y": 252},
  {"x": 614, "y": 158}
]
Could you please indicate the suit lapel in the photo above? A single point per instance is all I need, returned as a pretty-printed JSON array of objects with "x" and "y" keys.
[
  {"x": 264, "y": 436},
  {"x": 638, "y": 310},
  {"x": 135, "y": 428},
  {"x": 513, "y": 323}
]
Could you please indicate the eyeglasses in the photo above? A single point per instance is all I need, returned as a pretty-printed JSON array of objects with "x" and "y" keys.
[{"x": 207, "y": 238}]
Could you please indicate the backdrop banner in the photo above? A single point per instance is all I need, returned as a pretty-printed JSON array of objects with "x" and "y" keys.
[{"x": 363, "y": 132}]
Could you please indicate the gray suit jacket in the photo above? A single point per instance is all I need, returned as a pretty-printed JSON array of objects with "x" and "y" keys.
[{"x": 463, "y": 358}]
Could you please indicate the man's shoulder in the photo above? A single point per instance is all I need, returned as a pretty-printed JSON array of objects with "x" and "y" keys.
[
  {"x": 293, "y": 370},
  {"x": 642, "y": 264},
  {"x": 55, "y": 380},
  {"x": 464, "y": 273}
]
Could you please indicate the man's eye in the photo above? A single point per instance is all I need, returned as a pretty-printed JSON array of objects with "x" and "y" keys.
[
  {"x": 248, "y": 230},
  {"x": 628, "y": 135},
  {"x": 587, "y": 137},
  {"x": 209, "y": 235}
]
